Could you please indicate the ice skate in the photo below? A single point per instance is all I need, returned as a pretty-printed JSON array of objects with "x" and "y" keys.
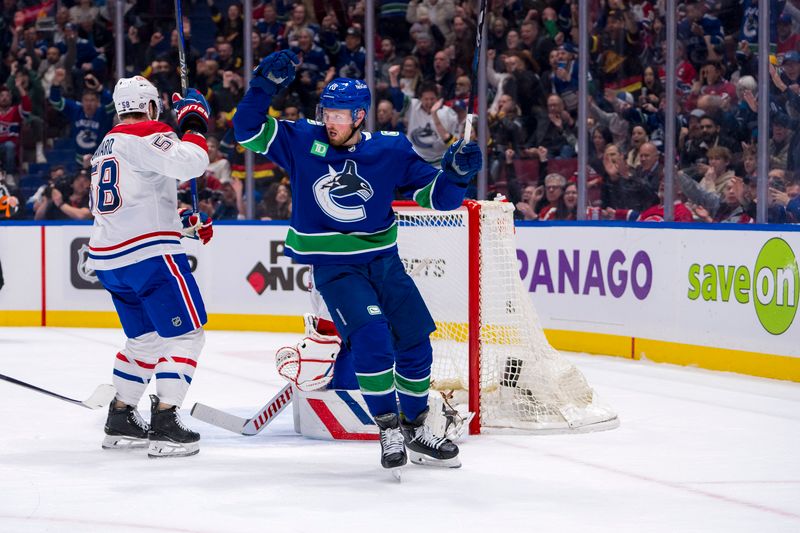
[
  {"x": 168, "y": 436},
  {"x": 393, "y": 450},
  {"x": 124, "y": 428},
  {"x": 424, "y": 447}
]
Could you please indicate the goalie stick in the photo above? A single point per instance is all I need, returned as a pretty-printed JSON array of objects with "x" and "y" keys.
[
  {"x": 245, "y": 426},
  {"x": 101, "y": 396}
]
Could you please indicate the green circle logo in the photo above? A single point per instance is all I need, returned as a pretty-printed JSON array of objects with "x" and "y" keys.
[{"x": 776, "y": 285}]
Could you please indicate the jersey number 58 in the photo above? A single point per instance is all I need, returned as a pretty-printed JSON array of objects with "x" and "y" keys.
[{"x": 108, "y": 199}]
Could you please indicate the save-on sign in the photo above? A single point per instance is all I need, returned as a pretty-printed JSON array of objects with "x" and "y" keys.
[{"x": 772, "y": 284}]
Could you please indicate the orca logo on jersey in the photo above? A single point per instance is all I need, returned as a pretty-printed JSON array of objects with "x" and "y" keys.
[{"x": 342, "y": 194}]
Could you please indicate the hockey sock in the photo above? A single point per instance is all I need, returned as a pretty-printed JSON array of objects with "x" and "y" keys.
[
  {"x": 374, "y": 361},
  {"x": 134, "y": 365},
  {"x": 413, "y": 378},
  {"x": 344, "y": 374},
  {"x": 176, "y": 366}
]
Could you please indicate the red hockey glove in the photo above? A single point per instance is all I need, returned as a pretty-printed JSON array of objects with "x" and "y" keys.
[{"x": 196, "y": 225}]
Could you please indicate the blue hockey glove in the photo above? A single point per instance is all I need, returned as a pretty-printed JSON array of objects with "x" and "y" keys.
[
  {"x": 192, "y": 111},
  {"x": 275, "y": 71},
  {"x": 462, "y": 161},
  {"x": 196, "y": 225}
]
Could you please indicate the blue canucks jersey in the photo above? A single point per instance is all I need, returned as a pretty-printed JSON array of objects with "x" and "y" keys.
[{"x": 341, "y": 197}]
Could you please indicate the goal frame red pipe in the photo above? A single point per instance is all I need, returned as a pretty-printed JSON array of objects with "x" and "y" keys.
[{"x": 473, "y": 306}]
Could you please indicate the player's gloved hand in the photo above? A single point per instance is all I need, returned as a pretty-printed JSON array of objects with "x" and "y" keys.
[
  {"x": 196, "y": 225},
  {"x": 275, "y": 71},
  {"x": 192, "y": 111},
  {"x": 462, "y": 161}
]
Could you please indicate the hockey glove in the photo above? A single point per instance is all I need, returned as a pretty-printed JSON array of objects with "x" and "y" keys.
[
  {"x": 192, "y": 111},
  {"x": 462, "y": 161},
  {"x": 196, "y": 225},
  {"x": 309, "y": 364},
  {"x": 275, "y": 71}
]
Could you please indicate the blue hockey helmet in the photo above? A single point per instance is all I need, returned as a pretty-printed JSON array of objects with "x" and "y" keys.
[{"x": 345, "y": 93}]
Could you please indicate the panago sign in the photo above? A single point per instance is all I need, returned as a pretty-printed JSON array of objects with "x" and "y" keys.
[
  {"x": 587, "y": 272},
  {"x": 771, "y": 285}
]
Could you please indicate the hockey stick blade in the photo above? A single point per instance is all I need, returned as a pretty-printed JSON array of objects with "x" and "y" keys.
[
  {"x": 101, "y": 396},
  {"x": 237, "y": 424}
]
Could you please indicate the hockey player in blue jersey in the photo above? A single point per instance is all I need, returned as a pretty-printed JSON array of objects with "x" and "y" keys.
[{"x": 343, "y": 182}]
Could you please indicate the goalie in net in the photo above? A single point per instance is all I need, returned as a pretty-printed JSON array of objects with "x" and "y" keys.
[{"x": 464, "y": 263}]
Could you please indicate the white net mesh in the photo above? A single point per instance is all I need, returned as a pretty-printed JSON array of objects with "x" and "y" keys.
[{"x": 525, "y": 383}]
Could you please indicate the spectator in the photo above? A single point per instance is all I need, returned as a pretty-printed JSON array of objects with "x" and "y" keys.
[
  {"x": 559, "y": 134},
  {"x": 616, "y": 48},
  {"x": 388, "y": 58},
  {"x": 57, "y": 173},
  {"x": 299, "y": 19},
  {"x": 90, "y": 119},
  {"x": 409, "y": 76},
  {"x": 227, "y": 58},
  {"x": 11, "y": 118},
  {"x": 231, "y": 25},
  {"x": 218, "y": 165},
  {"x": 277, "y": 203},
  {"x": 525, "y": 88},
  {"x": 779, "y": 142},
  {"x": 718, "y": 174},
  {"x": 638, "y": 138},
  {"x": 85, "y": 11},
  {"x": 230, "y": 204},
  {"x": 437, "y": 13},
  {"x": 66, "y": 200},
  {"x": 387, "y": 119},
  {"x": 314, "y": 60},
  {"x": 349, "y": 57},
  {"x": 270, "y": 28},
  {"x": 567, "y": 206},
  {"x": 443, "y": 75},
  {"x": 526, "y": 207},
  {"x": 649, "y": 171},
  {"x": 431, "y": 126},
  {"x": 554, "y": 185}
]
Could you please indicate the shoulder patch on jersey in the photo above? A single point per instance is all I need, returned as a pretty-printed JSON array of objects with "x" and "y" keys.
[
  {"x": 390, "y": 133},
  {"x": 314, "y": 122},
  {"x": 142, "y": 129}
]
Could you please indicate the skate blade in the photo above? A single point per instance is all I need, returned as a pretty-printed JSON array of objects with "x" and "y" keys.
[
  {"x": 120, "y": 442},
  {"x": 425, "y": 460},
  {"x": 397, "y": 473},
  {"x": 165, "y": 448}
]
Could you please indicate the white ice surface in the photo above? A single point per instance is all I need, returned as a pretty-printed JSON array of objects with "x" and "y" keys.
[{"x": 696, "y": 451}]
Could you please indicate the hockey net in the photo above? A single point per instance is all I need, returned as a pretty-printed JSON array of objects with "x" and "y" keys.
[{"x": 489, "y": 347}]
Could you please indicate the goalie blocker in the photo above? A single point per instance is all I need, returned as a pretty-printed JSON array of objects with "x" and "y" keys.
[{"x": 326, "y": 413}]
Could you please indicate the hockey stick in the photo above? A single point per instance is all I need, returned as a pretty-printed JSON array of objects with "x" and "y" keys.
[
  {"x": 184, "y": 71},
  {"x": 101, "y": 396},
  {"x": 474, "y": 86},
  {"x": 245, "y": 426}
]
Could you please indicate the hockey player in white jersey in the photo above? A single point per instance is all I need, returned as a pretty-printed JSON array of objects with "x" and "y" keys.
[{"x": 136, "y": 252}]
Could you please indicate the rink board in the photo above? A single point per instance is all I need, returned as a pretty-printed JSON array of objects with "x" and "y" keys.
[{"x": 714, "y": 298}]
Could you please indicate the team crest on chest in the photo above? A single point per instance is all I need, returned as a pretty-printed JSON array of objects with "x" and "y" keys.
[{"x": 341, "y": 194}]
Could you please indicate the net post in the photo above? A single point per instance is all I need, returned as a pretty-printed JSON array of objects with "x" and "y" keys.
[{"x": 474, "y": 312}]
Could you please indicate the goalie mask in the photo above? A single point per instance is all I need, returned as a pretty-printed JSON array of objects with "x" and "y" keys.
[
  {"x": 309, "y": 364},
  {"x": 134, "y": 95}
]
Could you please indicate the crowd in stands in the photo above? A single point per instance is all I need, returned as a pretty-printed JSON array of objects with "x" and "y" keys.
[{"x": 58, "y": 72}]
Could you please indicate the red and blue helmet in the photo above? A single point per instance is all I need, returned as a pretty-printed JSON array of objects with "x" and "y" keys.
[{"x": 345, "y": 93}]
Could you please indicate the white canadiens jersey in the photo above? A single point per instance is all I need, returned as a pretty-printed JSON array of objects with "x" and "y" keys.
[
  {"x": 422, "y": 133},
  {"x": 135, "y": 174}
]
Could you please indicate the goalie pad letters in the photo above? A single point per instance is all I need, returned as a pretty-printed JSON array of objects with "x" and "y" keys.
[{"x": 309, "y": 364}]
